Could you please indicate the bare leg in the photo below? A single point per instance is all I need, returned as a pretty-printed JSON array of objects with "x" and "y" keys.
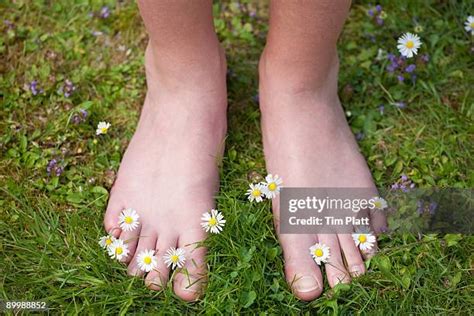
[
  {"x": 306, "y": 138},
  {"x": 169, "y": 172}
]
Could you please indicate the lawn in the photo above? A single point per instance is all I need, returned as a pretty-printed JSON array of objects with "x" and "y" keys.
[{"x": 66, "y": 65}]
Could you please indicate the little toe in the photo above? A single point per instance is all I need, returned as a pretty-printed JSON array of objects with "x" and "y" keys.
[
  {"x": 335, "y": 270},
  {"x": 355, "y": 263},
  {"x": 147, "y": 241},
  {"x": 157, "y": 278},
  {"x": 190, "y": 281},
  {"x": 302, "y": 273}
]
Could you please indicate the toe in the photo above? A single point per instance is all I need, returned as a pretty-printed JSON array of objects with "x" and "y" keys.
[
  {"x": 146, "y": 241},
  {"x": 111, "y": 218},
  {"x": 335, "y": 270},
  {"x": 131, "y": 239},
  {"x": 190, "y": 281},
  {"x": 302, "y": 273},
  {"x": 355, "y": 263},
  {"x": 157, "y": 279}
]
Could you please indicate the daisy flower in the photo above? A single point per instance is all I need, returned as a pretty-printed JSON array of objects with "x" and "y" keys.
[
  {"x": 147, "y": 260},
  {"x": 365, "y": 241},
  {"x": 213, "y": 221},
  {"x": 469, "y": 24},
  {"x": 106, "y": 241},
  {"x": 255, "y": 193},
  {"x": 320, "y": 253},
  {"x": 102, "y": 128},
  {"x": 408, "y": 44},
  {"x": 128, "y": 219},
  {"x": 272, "y": 186},
  {"x": 380, "y": 203},
  {"x": 118, "y": 249},
  {"x": 174, "y": 257}
]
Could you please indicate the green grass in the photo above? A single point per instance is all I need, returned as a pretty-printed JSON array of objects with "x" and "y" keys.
[{"x": 49, "y": 225}]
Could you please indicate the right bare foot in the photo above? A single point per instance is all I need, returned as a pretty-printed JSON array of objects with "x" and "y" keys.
[{"x": 169, "y": 173}]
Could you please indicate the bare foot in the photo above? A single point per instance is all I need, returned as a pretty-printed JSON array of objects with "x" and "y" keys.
[
  {"x": 169, "y": 173},
  {"x": 308, "y": 142}
]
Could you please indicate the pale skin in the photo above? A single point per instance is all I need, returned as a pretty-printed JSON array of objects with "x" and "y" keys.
[{"x": 169, "y": 172}]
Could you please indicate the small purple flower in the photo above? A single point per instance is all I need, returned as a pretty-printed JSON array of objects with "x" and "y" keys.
[
  {"x": 80, "y": 117},
  {"x": 403, "y": 177},
  {"x": 420, "y": 207},
  {"x": 53, "y": 168},
  {"x": 379, "y": 20},
  {"x": 432, "y": 208},
  {"x": 104, "y": 12},
  {"x": 391, "y": 57},
  {"x": 400, "y": 78},
  {"x": 34, "y": 87},
  {"x": 59, "y": 170},
  {"x": 68, "y": 88},
  {"x": 410, "y": 68},
  {"x": 370, "y": 12},
  {"x": 359, "y": 136},
  {"x": 51, "y": 164},
  {"x": 425, "y": 58},
  {"x": 378, "y": 7},
  {"x": 400, "y": 105},
  {"x": 252, "y": 13},
  {"x": 381, "y": 109}
]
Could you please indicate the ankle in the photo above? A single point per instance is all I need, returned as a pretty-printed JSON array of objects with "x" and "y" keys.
[
  {"x": 296, "y": 77},
  {"x": 203, "y": 70}
]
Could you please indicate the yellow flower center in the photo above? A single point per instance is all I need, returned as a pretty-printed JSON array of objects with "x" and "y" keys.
[
  {"x": 378, "y": 204},
  {"x": 318, "y": 253},
  {"x": 362, "y": 238},
  {"x": 128, "y": 220},
  {"x": 147, "y": 260},
  {"x": 256, "y": 193},
  {"x": 108, "y": 241},
  {"x": 472, "y": 25},
  {"x": 103, "y": 130},
  {"x": 174, "y": 258},
  {"x": 410, "y": 44},
  {"x": 118, "y": 251},
  {"x": 272, "y": 186},
  {"x": 212, "y": 221}
]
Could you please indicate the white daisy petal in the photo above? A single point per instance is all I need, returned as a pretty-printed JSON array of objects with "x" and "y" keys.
[
  {"x": 365, "y": 241},
  {"x": 147, "y": 260},
  {"x": 408, "y": 44},
  {"x": 106, "y": 241},
  {"x": 255, "y": 193},
  {"x": 102, "y": 128},
  {"x": 320, "y": 253},
  {"x": 272, "y": 186},
  {"x": 380, "y": 203},
  {"x": 213, "y": 221},
  {"x": 469, "y": 24},
  {"x": 174, "y": 257},
  {"x": 128, "y": 220},
  {"x": 118, "y": 250}
]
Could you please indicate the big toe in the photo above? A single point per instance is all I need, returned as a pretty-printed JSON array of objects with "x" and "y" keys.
[
  {"x": 190, "y": 281},
  {"x": 302, "y": 273}
]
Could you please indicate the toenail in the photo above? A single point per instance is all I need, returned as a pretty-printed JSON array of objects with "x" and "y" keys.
[
  {"x": 357, "y": 270},
  {"x": 306, "y": 284}
]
